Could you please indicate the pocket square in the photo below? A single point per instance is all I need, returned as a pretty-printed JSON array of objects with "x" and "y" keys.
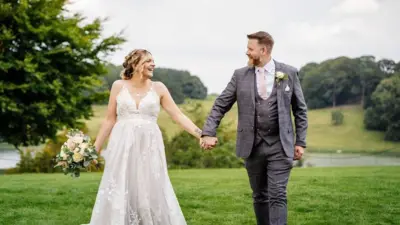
[{"x": 287, "y": 88}]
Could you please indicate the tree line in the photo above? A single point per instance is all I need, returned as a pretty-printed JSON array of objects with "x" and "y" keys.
[
  {"x": 180, "y": 83},
  {"x": 364, "y": 80},
  {"x": 344, "y": 80}
]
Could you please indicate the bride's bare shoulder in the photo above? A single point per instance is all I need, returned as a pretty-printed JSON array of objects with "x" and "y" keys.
[
  {"x": 117, "y": 85},
  {"x": 160, "y": 87}
]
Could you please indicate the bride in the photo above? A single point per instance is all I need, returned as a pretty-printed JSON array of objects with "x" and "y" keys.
[{"x": 135, "y": 188}]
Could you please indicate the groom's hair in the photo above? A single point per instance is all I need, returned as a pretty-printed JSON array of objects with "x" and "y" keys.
[{"x": 263, "y": 38}]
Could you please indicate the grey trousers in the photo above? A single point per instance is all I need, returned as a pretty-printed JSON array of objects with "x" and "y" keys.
[{"x": 269, "y": 169}]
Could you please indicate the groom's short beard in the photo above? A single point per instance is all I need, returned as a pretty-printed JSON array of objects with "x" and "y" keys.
[{"x": 253, "y": 62}]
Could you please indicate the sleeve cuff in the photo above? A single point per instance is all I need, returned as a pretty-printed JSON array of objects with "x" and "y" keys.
[
  {"x": 301, "y": 144},
  {"x": 210, "y": 134}
]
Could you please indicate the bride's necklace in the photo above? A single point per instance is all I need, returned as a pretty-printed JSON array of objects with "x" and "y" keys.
[{"x": 138, "y": 94}]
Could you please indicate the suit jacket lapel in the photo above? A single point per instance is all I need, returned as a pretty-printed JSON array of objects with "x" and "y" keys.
[
  {"x": 251, "y": 76},
  {"x": 278, "y": 67}
]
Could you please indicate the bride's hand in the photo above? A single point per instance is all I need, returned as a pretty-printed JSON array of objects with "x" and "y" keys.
[
  {"x": 98, "y": 149},
  {"x": 208, "y": 143}
]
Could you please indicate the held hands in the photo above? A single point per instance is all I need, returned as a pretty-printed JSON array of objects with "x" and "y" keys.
[
  {"x": 298, "y": 152},
  {"x": 208, "y": 143}
]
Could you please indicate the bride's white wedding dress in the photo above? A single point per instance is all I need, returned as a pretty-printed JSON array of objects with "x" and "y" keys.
[{"x": 135, "y": 188}]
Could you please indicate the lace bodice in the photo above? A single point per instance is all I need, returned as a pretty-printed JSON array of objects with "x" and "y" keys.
[{"x": 146, "y": 109}]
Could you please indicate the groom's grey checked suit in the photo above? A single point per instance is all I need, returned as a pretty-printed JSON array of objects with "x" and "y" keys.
[{"x": 265, "y": 135}]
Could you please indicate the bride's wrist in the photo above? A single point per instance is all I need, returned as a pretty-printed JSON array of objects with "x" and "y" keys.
[
  {"x": 97, "y": 148},
  {"x": 198, "y": 133}
]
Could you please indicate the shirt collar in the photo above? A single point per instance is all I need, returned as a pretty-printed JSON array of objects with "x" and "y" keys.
[{"x": 270, "y": 66}]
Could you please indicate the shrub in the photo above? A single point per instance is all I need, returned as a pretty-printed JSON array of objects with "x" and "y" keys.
[{"x": 337, "y": 117}]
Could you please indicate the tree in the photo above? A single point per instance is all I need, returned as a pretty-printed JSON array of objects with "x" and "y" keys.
[
  {"x": 387, "y": 66},
  {"x": 193, "y": 87},
  {"x": 370, "y": 74},
  {"x": 329, "y": 83},
  {"x": 181, "y": 84},
  {"x": 50, "y": 67},
  {"x": 343, "y": 80},
  {"x": 113, "y": 74},
  {"x": 306, "y": 69},
  {"x": 384, "y": 113},
  {"x": 397, "y": 67}
]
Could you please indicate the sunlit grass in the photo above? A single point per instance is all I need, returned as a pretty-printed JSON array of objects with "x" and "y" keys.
[{"x": 351, "y": 196}]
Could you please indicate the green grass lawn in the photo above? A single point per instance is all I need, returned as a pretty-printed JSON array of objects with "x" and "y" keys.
[
  {"x": 317, "y": 196},
  {"x": 322, "y": 136}
]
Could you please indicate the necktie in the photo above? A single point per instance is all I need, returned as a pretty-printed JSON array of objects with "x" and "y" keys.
[{"x": 262, "y": 87}]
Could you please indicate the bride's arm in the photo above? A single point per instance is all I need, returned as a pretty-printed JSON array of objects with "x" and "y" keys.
[
  {"x": 111, "y": 117},
  {"x": 176, "y": 114}
]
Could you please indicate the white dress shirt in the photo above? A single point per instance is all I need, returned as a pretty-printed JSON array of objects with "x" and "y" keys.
[{"x": 269, "y": 76}]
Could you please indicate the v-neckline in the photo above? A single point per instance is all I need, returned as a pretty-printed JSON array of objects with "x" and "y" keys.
[{"x": 137, "y": 103}]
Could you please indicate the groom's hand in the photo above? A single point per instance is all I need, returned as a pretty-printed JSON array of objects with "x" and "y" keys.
[
  {"x": 298, "y": 152},
  {"x": 207, "y": 142}
]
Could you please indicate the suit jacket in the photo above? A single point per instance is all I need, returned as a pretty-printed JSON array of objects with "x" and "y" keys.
[{"x": 241, "y": 89}]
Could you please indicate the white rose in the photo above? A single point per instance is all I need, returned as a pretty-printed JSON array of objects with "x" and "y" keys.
[
  {"x": 77, "y": 139},
  {"x": 70, "y": 144},
  {"x": 77, "y": 157},
  {"x": 280, "y": 75},
  {"x": 83, "y": 145},
  {"x": 76, "y": 150},
  {"x": 63, "y": 155}
]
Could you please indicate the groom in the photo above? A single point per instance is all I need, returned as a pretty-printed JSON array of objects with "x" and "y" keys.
[{"x": 266, "y": 91}]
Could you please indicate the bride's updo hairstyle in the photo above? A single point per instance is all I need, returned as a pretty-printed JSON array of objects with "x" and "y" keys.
[{"x": 133, "y": 63}]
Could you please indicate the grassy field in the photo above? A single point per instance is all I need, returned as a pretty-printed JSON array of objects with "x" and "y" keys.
[
  {"x": 317, "y": 196},
  {"x": 322, "y": 136}
]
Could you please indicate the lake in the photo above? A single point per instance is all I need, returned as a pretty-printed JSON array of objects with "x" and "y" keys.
[
  {"x": 347, "y": 159},
  {"x": 9, "y": 159}
]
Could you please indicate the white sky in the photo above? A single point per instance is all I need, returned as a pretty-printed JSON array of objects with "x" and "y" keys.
[{"x": 208, "y": 37}]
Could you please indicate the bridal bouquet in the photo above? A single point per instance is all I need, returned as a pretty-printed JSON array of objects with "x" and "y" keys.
[{"x": 76, "y": 153}]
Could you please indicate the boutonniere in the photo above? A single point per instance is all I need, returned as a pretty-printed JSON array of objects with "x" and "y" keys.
[{"x": 280, "y": 76}]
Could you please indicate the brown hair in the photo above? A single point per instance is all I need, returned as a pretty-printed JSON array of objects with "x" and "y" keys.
[
  {"x": 263, "y": 38},
  {"x": 134, "y": 59}
]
